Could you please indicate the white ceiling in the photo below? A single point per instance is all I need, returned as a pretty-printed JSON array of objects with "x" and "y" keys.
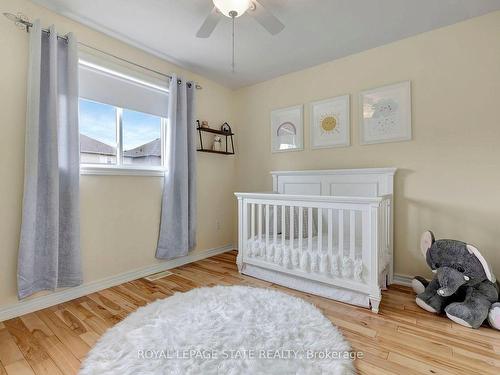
[{"x": 316, "y": 30}]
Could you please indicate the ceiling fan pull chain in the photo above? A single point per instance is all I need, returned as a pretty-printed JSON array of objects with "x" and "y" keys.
[{"x": 232, "y": 64}]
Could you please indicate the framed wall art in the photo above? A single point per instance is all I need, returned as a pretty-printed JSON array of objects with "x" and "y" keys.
[
  {"x": 386, "y": 114},
  {"x": 287, "y": 129},
  {"x": 330, "y": 123}
]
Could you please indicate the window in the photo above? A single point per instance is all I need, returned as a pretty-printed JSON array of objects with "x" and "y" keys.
[
  {"x": 119, "y": 137},
  {"x": 97, "y": 133},
  {"x": 122, "y": 121},
  {"x": 142, "y": 143}
]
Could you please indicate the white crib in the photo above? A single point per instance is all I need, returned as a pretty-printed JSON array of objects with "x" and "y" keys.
[{"x": 326, "y": 232}]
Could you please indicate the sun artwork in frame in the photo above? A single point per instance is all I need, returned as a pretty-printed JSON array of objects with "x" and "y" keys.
[{"x": 329, "y": 123}]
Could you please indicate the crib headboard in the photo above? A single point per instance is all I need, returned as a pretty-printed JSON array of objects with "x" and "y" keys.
[{"x": 369, "y": 182}]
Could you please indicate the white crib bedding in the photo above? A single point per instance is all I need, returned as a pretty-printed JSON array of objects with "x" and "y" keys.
[
  {"x": 334, "y": 264},
  {"x": 255, "y": 242}
]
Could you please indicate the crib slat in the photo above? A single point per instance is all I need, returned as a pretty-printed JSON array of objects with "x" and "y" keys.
[
  {"x": 320, "y": 230},
  {"x": 309, "y": 228},
  {"x": 383, "y": 224},
  {"x": 352, "y": 234},
  {"x": 301, "y": 227},
  {"x": 366, "y": 255},
  {"x": 341, "y": 232},
  {"x": 267, "y": 226},
  {"x": 283, "y": 227},
  {"x": 252, "y": 221},
  {"x": 275, "y": 224},
  {"x": 330, "y": 230},
  {"x": 387, "y": 208},
  {"x": 291, "y": 226},
  {"x": 244, "y": 225},
  {"x": 259, "y": 229}
]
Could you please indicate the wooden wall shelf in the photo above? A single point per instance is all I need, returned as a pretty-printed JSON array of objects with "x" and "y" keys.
[
  {"x": 216, "y": 152},
  {"x": 214, "y": 131},
  {"x": 219, "y": 132}
]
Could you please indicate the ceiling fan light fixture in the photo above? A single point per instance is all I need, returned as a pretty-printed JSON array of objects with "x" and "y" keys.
[{"x": 231, "y": 8}]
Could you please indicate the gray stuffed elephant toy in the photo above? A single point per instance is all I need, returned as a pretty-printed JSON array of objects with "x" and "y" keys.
[{"x": 464, "y": 286}]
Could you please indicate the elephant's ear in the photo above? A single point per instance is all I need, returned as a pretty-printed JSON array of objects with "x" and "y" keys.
[
  {"x": 426, "y": 241},
  {"x": 484, "y": 263}
]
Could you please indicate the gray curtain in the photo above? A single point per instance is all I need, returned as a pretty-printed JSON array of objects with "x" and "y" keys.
[
  {"x": 49, "y": 248},
  {"x": 178, "y": 211}
]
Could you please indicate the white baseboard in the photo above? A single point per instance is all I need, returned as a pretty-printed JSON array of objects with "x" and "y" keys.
[
  {"x": 64, "y": 295},
  {"x": 402, "y": 280}
]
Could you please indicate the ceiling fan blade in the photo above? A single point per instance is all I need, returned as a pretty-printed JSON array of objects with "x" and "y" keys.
[
  {"x": 209, "y": 24},
  {"x": 265, "y": 18}
]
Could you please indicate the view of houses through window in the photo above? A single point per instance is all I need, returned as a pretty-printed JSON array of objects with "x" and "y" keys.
[{"x": 100, "y": 127}]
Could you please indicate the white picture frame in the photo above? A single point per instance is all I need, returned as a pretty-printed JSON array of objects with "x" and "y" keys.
[
  {"x": 330, "y": 124},
  {"x": 287, "y": 129},
  {"x": 385, "y": 114}
]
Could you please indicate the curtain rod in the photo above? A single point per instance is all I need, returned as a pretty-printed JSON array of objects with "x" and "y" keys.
[{"x": 22, "y": 21}]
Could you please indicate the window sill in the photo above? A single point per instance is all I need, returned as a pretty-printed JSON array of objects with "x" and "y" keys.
[{"x": 104, "y": 170}]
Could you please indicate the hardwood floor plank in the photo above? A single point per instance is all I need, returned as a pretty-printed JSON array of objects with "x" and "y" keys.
[
  {"x": 36, "y": 326},
  {"x": 74, "y": 343},
  {"x": 75, "y": 324},
  {"x": 105, "y": 303},
  {"x": 401, "y": 339},
  {"x": 90, "y": 338},
  {"x": 130, "y": 295},
  {"x": 420, "y": 367},
  {"x": 145, "y": 291},
  {"x": 472, "y": 357},
  {"x": 100, "y": 311},
  {"x": 111, "y": 296},
  {"x": 9, "y": 351},
  {"x": 155, "y": 290},
  {"x": 386, "y": 366},
  {"x": 61, "y": 355},
  {"x": 365, "y": 344},
  {"x": 352, "y": 326},
  {"x": 20, "y": 367},
  {"x": 32, "y": 350}
]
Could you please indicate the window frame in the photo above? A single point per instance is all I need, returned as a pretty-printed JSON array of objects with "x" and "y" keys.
[{"x": 120, "y": 169}]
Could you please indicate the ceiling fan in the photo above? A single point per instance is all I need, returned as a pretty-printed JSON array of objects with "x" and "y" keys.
[{"x": 234, "y": 9}]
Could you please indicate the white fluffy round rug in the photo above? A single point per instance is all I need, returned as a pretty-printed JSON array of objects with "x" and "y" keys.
[{"x": 222, "y": 330}]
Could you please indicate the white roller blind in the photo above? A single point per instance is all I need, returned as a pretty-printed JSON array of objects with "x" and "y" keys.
[{"x": 125, "y": 90}]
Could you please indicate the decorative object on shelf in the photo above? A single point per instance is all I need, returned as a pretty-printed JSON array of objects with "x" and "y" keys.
[
  {"x": 225, "y": 128},
  {"x": 287, "y": 129},
  {"x": 204, "y": 124},
  {"x": 217, "y": 147},
  {"x": 386, "y": 114},
  {"x": 330, "y": 124}
]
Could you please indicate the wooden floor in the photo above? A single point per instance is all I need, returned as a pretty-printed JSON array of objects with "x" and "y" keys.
[{"x": 401, "y": 339}]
